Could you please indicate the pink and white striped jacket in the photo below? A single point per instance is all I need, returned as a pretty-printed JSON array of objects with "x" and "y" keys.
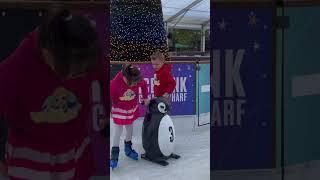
[
  {"x": 49, "y": 129},
  {"x": 125, "y": 100}
]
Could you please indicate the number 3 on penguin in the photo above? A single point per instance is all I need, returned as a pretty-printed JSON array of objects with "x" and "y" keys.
[{"x": 172, "y": 136}]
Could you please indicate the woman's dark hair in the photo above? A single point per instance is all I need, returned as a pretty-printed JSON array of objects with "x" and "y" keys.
[
  {"x": 132, "y": 73},
  {"x": 72, "y": 40}
]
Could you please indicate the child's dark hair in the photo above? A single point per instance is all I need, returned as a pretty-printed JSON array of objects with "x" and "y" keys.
[
  {"x": 132, "y": 73},
  {"x": 71, "y": 39}
]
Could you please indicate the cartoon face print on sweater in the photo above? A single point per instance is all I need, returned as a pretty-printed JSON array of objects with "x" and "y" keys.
[
  {"x": 156, "y": 81},
  {"x": 127, "y": 96},
  {"x": 61, "y": 107}
]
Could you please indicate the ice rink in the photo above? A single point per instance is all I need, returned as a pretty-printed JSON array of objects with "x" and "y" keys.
[{"x": 192, "y": 144}]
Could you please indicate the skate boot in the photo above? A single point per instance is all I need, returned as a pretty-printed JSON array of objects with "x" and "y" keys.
[
  {"x": 129, "y": 151},
  {"x": 114, "y": 157}
]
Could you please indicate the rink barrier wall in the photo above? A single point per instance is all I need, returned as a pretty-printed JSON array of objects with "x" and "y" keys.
[{"x": 201, "y": 83}]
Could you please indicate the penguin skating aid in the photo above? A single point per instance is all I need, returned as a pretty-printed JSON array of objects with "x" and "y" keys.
[{"x": 158, "y": 133}]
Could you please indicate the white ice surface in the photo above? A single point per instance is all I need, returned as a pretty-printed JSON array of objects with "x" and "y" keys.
[{"x": 192, "y": 144}]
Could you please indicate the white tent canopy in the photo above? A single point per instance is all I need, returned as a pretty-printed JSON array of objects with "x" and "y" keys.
[{"x": 186, "y": 14}]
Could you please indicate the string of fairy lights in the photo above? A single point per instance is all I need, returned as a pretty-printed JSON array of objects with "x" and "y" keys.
[{"x": 137, "y": 30}]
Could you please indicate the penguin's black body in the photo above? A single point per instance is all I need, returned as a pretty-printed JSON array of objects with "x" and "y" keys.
[{"x": 158, "y": 133}]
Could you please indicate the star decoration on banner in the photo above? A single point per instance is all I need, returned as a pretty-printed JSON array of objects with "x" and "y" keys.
[
  {"x": 265, "y": 76},
  {"x": 222, "y": 25},
  {"x": 265, "y": 27},
  {"x": 253, "y": 20},
  {"x": 256, "y": 46}
]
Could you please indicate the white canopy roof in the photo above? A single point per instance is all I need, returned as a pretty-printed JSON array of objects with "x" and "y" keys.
[{"x": 186, "y": 14}]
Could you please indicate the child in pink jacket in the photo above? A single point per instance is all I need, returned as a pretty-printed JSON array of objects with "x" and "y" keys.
[
  {"x": 124, "y": 91},
  {"x": 46, "y": 101}
]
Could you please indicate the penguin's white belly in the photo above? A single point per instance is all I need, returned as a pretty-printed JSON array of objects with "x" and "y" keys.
[{"x": 166, "y": 136}]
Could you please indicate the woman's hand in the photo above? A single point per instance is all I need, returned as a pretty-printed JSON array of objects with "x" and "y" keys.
[{"x": 146, "y": 102}]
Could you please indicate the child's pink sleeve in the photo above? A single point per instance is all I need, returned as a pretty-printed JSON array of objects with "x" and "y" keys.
[{"x": 144, "y": 89}]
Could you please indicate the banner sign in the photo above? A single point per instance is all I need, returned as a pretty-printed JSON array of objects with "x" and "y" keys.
[
  {"x": 242, "y": 108},
  {"x": 183, "y": 97}
]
